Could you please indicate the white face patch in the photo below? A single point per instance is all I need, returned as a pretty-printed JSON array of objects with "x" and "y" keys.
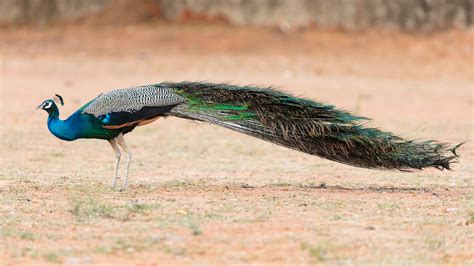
[{"x": 46, "y": 105}]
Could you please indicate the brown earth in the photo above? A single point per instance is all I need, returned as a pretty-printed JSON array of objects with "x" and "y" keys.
[{"x": 205, "y": 195}]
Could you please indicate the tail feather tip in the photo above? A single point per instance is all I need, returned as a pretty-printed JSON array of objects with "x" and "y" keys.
[
  {"x": 445, "y": 162},
  {"x": 453, "y": 149}
]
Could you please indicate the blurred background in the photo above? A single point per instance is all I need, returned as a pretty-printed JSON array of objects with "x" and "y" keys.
[{"x": 350, "y": 15}]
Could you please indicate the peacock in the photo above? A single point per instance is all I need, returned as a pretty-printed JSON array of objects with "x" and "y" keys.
[{"x": 266, "y": 113}]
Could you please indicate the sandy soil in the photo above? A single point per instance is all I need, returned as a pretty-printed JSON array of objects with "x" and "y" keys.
[{"x": 204, "y": 195}]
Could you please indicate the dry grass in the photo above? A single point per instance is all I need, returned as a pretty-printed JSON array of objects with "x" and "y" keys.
[{"x": 201, "y": 194}]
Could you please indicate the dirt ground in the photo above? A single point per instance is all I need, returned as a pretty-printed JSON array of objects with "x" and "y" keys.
[{"x": 203, "y": 195}]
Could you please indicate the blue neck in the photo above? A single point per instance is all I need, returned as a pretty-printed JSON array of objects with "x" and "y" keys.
[{"x": 60, "y": 128}]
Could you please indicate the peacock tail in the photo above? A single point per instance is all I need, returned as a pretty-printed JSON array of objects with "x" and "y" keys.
[
  {"x": 307, "y": 126},
  {"x": 274, "y": 116}
]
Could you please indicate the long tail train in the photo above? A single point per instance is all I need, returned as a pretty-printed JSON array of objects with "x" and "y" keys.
[{"x": 307, "y": 126}]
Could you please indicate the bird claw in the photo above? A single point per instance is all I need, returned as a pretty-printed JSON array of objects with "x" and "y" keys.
[{"x": 124, "y": 187}]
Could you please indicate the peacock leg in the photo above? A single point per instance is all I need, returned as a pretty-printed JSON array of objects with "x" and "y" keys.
[
  {"x": 113, "y": 143},
  {"x": 121, "y": 142}
]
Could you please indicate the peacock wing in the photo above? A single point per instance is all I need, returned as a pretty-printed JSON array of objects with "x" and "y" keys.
[{"x": 132, "y": 106}]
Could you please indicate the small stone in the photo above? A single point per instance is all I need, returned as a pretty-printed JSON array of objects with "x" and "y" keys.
[
  {"x": 182, "y": 212},
  {"x": 246, "y": 186},
  {"x": 451, "y": 209}
]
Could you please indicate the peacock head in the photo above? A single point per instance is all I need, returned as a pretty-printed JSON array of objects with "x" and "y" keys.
[{"x": 50, "y": 104}]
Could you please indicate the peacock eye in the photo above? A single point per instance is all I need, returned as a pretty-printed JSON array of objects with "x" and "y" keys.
[{"x": 47, "y": 105}]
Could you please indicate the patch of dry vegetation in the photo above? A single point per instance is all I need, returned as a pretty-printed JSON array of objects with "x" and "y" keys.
[{"x": 205, "y": 195}]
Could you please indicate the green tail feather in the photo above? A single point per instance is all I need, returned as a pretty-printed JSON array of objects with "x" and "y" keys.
[{"x": 307, "y": 126}]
